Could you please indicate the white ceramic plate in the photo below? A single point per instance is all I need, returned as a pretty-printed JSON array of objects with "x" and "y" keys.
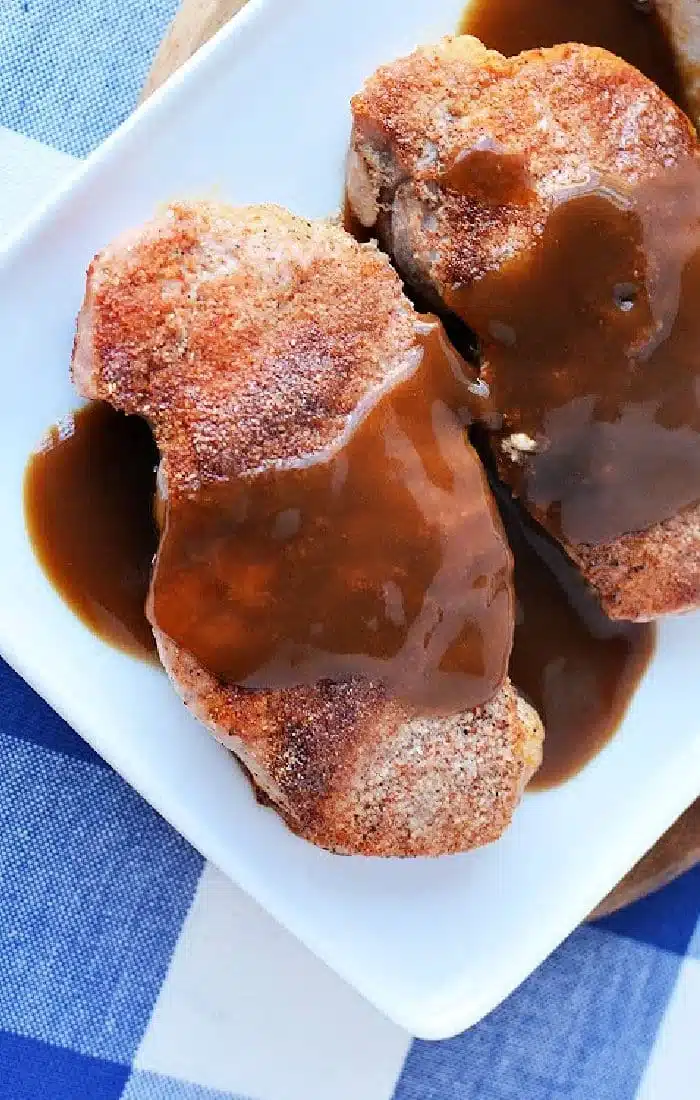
[{"x": 262, "y": 114}]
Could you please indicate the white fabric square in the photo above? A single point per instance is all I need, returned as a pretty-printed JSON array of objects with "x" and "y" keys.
[
  {"x": 245, "y": 1008},
  {"x": 673, "y": 1070}
]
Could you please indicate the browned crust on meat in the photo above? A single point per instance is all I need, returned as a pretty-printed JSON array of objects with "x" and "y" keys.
[
  {"x": 642, "y": 576},
  {"x": 293, "y": 323},
  {"x": 573, "y": 112},
  {"x": 354, "y": 772}
]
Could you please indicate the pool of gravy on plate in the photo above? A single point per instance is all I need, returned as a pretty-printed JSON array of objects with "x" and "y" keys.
[
  {"x": 576, "y": 666},
  {"x": 88, "y": 501}
]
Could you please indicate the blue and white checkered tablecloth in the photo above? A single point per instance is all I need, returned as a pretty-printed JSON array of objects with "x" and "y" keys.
[{"x": 131, "y": 969}]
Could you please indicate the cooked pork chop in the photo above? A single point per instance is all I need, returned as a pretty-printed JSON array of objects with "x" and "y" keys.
[
  {"x": 247, "y": 337},
  {"x": 569, "y": 116}
]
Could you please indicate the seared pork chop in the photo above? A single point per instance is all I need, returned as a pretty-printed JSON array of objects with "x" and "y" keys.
[
  {"x": 248, "y": 338},
  {"x": 458, "y": 158}
]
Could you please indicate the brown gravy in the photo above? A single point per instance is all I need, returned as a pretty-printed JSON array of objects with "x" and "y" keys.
[
  {"x": 578, "y": 668},
  {"x": 629, "y": 28},
  {"x": 382, "y": 558},
  {"x": 88, "y": 499},
  {"x": 589, "y": 341}
]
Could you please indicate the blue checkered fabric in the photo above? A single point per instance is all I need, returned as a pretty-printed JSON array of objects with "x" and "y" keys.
[
  {"x": 71, "y": 70},
  {"x": 98, "y": 918}
]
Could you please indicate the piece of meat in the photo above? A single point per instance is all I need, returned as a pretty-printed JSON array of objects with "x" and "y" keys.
[
  {"x": 247, "y": 337},
  {"x": 568, "y": 116}
]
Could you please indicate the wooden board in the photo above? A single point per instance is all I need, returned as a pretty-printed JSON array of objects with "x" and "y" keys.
[
  {"x": 679, "y": 849},
  {"x": 194, "y": 24}
]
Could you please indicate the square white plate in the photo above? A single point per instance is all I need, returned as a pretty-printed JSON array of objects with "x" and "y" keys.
[{"x": 262, "y": 114}]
